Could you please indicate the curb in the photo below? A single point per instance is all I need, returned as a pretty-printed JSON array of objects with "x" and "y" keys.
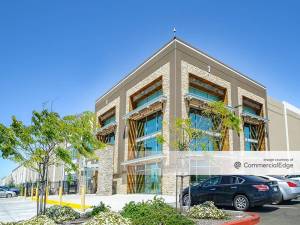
[
  {"x": 253, "y": 220},
  {"x": 70, "y": 204}
]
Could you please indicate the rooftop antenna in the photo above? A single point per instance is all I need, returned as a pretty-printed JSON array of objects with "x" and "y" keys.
[{"x": 174, "y": 32}]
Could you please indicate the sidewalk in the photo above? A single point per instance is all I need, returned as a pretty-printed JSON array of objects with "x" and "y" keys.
[{"x": 116, "y": 202}]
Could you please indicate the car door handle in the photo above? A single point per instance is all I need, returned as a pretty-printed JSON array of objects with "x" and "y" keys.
[
  {"x": 233, "y": 187},
  {"x": 212, "y": 189}
]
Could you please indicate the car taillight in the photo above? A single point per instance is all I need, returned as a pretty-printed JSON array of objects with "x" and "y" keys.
[
  {"x": 291, "y": 184},
  {"x": 261, "y": 187}
]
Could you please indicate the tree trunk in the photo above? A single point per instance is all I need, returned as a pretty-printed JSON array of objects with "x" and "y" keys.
[{"x": 45, "y": 193}]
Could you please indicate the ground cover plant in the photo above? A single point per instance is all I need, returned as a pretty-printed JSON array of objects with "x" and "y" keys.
[
  {"x": 207, "y": 210},
  {"x": 108, "y": 218},
  {"x": 40, "y": 220},
  {"x": 61, "y": 213},
  {"x": 154, "y": 212}
]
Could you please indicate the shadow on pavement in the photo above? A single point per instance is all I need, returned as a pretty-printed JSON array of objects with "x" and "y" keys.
[
  {"x": 293, "y": 202},
  {"x": 264, "y": 209}
]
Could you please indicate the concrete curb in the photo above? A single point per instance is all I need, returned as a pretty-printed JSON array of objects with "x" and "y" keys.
[
  {"x": 70, "y": 204},
  {"x": 253, "y": 220}
]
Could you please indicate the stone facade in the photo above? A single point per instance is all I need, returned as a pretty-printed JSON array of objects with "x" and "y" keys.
[
  {"x": 105, "y": 171},
  {"x": 115, "y": 103}
]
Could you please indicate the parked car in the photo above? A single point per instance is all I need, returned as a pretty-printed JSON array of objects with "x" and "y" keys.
[
  {"x": 238, "y": 191},
  {"x": 6, "y": 193},
  {"x": 294, "y": 177},
  {"x": 16, "y": 190},
  {"x": 290, "y": 189}
]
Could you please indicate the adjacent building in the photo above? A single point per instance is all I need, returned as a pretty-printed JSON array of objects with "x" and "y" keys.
[{"x": 284, "y": 126}]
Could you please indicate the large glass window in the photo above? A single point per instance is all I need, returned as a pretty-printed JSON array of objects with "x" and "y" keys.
[
  {"x": 149, "y": 125},
  {"x": 251, "y": 137},
  {"x": 147, "y": 144},
  {"x": 203, "y": 94},
  {"x": 148, "y": 98},
  {"x": 250, "y": 110},
  {"x": 109, "y": 120},
  {"x": 148, "y": 147},
  {"x": 148, "y": 178},
  {"x": 204, "y": 123}
]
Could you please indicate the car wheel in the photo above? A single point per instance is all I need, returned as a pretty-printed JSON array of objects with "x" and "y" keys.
[
  {"x": 241, "y": 203},
  {"x": 186, "y": 200},
  {"x": 8, "y": 195}
]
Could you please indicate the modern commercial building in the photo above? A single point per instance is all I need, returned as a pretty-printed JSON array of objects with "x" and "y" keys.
[{"x": 176, "y": 82}]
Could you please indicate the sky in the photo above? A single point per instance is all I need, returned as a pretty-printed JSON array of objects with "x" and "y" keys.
[{"x": 70, "y": 52}]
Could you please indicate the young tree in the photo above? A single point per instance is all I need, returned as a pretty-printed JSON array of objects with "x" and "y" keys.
[
  {"x": 217, "y": 117},
  {"x": 44, "y": 143}
]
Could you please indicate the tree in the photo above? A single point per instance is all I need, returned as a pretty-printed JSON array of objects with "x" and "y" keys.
[
  {"x": 215, "y": 116},
  {"x": 44, "y": 143}
]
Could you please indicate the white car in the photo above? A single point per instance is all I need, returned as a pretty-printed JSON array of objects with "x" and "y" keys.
[
  {"x": 7, "y": 194},
  {"x": 288, "y": 188},
  {"x": 294, "y": 177}
]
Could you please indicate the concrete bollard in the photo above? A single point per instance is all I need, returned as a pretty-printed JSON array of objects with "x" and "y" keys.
[
  {"x": 47, "y": 193},
  {"x": 82, "y": 198},
  {"x": 60, "y": 195}
]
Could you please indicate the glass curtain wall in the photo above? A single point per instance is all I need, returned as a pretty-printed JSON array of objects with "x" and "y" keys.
[
  {"x": 250, "y": 131},
  {"x": 147, "y": 128},
  {"x": 204, "y": 123},
  {"x": 148, "y": 178}
]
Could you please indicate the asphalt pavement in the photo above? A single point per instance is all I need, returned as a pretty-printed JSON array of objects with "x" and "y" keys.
[
  {"x": 16, "y": 209},
  {"x": 286, "y": 213}
]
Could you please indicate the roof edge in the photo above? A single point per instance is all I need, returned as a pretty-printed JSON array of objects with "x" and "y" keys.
[
  {"x": 220, "y": 63},
  {"x": 137, "y": 68},
  {"x": 192, "y": 48}
]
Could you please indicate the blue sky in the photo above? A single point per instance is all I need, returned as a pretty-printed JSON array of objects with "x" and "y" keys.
[{"x": 71, "y": 52}]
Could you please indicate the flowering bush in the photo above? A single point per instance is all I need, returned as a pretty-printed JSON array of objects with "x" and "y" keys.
[
  {"x": 40, "y": 220},
  {"x": 156, "y": 212},
  {"x": 108, "y": 218},
  {"x": 61, "y": 213},
  {"x": 207, "y": 210}
]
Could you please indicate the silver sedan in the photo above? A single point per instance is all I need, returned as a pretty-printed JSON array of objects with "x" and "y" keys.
[
  {"x": 289, "y": 188},
  {"x": 7, "y": 194}
]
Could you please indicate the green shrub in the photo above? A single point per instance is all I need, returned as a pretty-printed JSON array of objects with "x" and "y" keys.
[
  {"x": 99, "y": 208},
  {"x": 61, "y": 213},
  {"x": 108, "y": 218},
  {"x": 207, "y": 210},
  {"x": 154, "y": 212}
]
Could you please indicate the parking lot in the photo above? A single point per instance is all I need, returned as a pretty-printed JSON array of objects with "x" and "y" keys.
[
  {"x": 15, "y": 209},
  {"x": 283, "y": 214}
]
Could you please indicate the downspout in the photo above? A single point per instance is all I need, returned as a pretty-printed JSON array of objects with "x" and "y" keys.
[{"x": 286, "y": 126}]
